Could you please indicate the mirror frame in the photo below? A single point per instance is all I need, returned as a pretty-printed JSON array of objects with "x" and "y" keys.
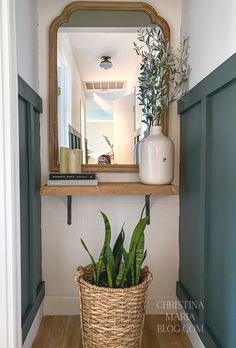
[{"x": 64, "y": 18}]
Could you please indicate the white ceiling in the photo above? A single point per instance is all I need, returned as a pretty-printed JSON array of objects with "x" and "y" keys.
[{"x": 89, "y": 47}]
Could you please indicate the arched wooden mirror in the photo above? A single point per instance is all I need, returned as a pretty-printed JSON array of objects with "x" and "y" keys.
[{"x": 91, "y": 107}]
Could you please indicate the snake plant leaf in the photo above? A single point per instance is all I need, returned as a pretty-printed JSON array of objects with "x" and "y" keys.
[
  {"x": 139, "y": 229},
  {"x": 130, "y": 262},
  {"x": 107, "y": 241},
  {"x": 120, "y": 279},
  {"x": 119, "y": 242},
  {"x": 144, "y": 255},
  {"x": 126, "y": 257},
  {"x": 139, "y": 258},
  {"x": 93, "y": 262},
  {"x": 123, "y": 272},
  {"x": 141, "y": 216},
  {"x": 118, "y": 249},
  {"x": 128, "y": 273},
  {"x": 133, "y": 271},
  {"x": 137, "y": 235},
  {"x": 110, "y": 267}
]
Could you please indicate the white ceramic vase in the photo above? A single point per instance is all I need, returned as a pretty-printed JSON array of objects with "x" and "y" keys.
[
  {"x": 136, "y": 147},
  {"x": 156, "y": 165}
]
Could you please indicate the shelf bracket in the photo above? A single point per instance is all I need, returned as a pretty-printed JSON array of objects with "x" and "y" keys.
[
  {"x": 147, "y": 204},
  {"x": 69, "y": 210}
]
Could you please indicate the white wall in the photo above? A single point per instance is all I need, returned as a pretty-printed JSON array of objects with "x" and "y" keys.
[
  {"x": 62, "y": 251},
  {"x": 27, "y": 41},
  {"x": 211, "y": 26},
  {"x": 123, "y": 116},
  {"x": 10, "y": 289}
]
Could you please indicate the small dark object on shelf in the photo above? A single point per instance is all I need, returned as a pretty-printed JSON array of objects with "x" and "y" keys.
[{"x": 104, "y": 159}]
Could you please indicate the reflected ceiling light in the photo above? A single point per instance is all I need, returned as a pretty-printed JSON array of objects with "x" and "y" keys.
[{"x": 106, "y": 62}]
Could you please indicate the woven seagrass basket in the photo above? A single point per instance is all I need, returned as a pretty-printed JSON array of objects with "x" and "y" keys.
[{"x": 111, "y": 318}]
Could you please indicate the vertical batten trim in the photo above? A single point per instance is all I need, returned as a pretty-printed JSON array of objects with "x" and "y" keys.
[
  {"x": 30, "y": 115},
  {"x": 203, "y": 151}
]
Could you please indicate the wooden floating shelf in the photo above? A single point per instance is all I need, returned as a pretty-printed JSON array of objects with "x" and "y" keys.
[{"x": 110, "y": 188}]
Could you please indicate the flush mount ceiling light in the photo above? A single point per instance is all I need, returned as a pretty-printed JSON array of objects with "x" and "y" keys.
[{"x": 106, "y": 62}]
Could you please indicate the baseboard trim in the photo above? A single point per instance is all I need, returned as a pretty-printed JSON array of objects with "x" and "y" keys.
[
  {"x": 204, "y": 333},
  {"x": 34, "y": 328},
  {"x": 59, "y": 305},
  {"x": 166, "y": 305},
  {"x": 31, "y": 313},
  {"x": 189, "y": 329}
]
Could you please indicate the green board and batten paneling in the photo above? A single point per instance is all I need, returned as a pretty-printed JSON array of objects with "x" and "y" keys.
[
  {"x": 208, "y": 204},
  {"x": 32, "y": 287}
]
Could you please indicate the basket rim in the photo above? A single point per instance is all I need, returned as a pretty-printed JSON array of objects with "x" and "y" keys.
[{"x": 79, "y": 279}]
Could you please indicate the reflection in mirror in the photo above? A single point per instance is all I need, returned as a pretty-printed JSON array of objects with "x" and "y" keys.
[{"x": 97, "y": 74}]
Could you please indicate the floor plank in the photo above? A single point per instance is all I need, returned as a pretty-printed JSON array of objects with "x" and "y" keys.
[
  {"x": 64, "y": 332},
  {"x": 72, "y": 334},
  {"x": 150, "y": 332},
  {"x": 43, "y": 334}
]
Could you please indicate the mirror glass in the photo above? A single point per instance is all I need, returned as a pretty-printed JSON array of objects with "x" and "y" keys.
[{"x": 97, "y": 76}]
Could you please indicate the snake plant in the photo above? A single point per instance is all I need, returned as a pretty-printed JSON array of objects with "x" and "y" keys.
[{"x": 116, "y": 267}]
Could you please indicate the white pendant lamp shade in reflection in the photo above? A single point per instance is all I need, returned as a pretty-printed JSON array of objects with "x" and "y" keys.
[{"x": 106, "y": 62}]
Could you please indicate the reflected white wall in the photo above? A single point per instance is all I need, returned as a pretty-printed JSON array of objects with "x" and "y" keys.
[
  {"x": 123, "y": 122},
  {"x": 97, "y": 145}
]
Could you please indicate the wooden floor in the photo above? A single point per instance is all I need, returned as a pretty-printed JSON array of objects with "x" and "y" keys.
[{"x": 63, "y": 332}]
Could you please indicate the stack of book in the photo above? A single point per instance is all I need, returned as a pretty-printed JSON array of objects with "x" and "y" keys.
[{"x": 77, "y": 179}]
